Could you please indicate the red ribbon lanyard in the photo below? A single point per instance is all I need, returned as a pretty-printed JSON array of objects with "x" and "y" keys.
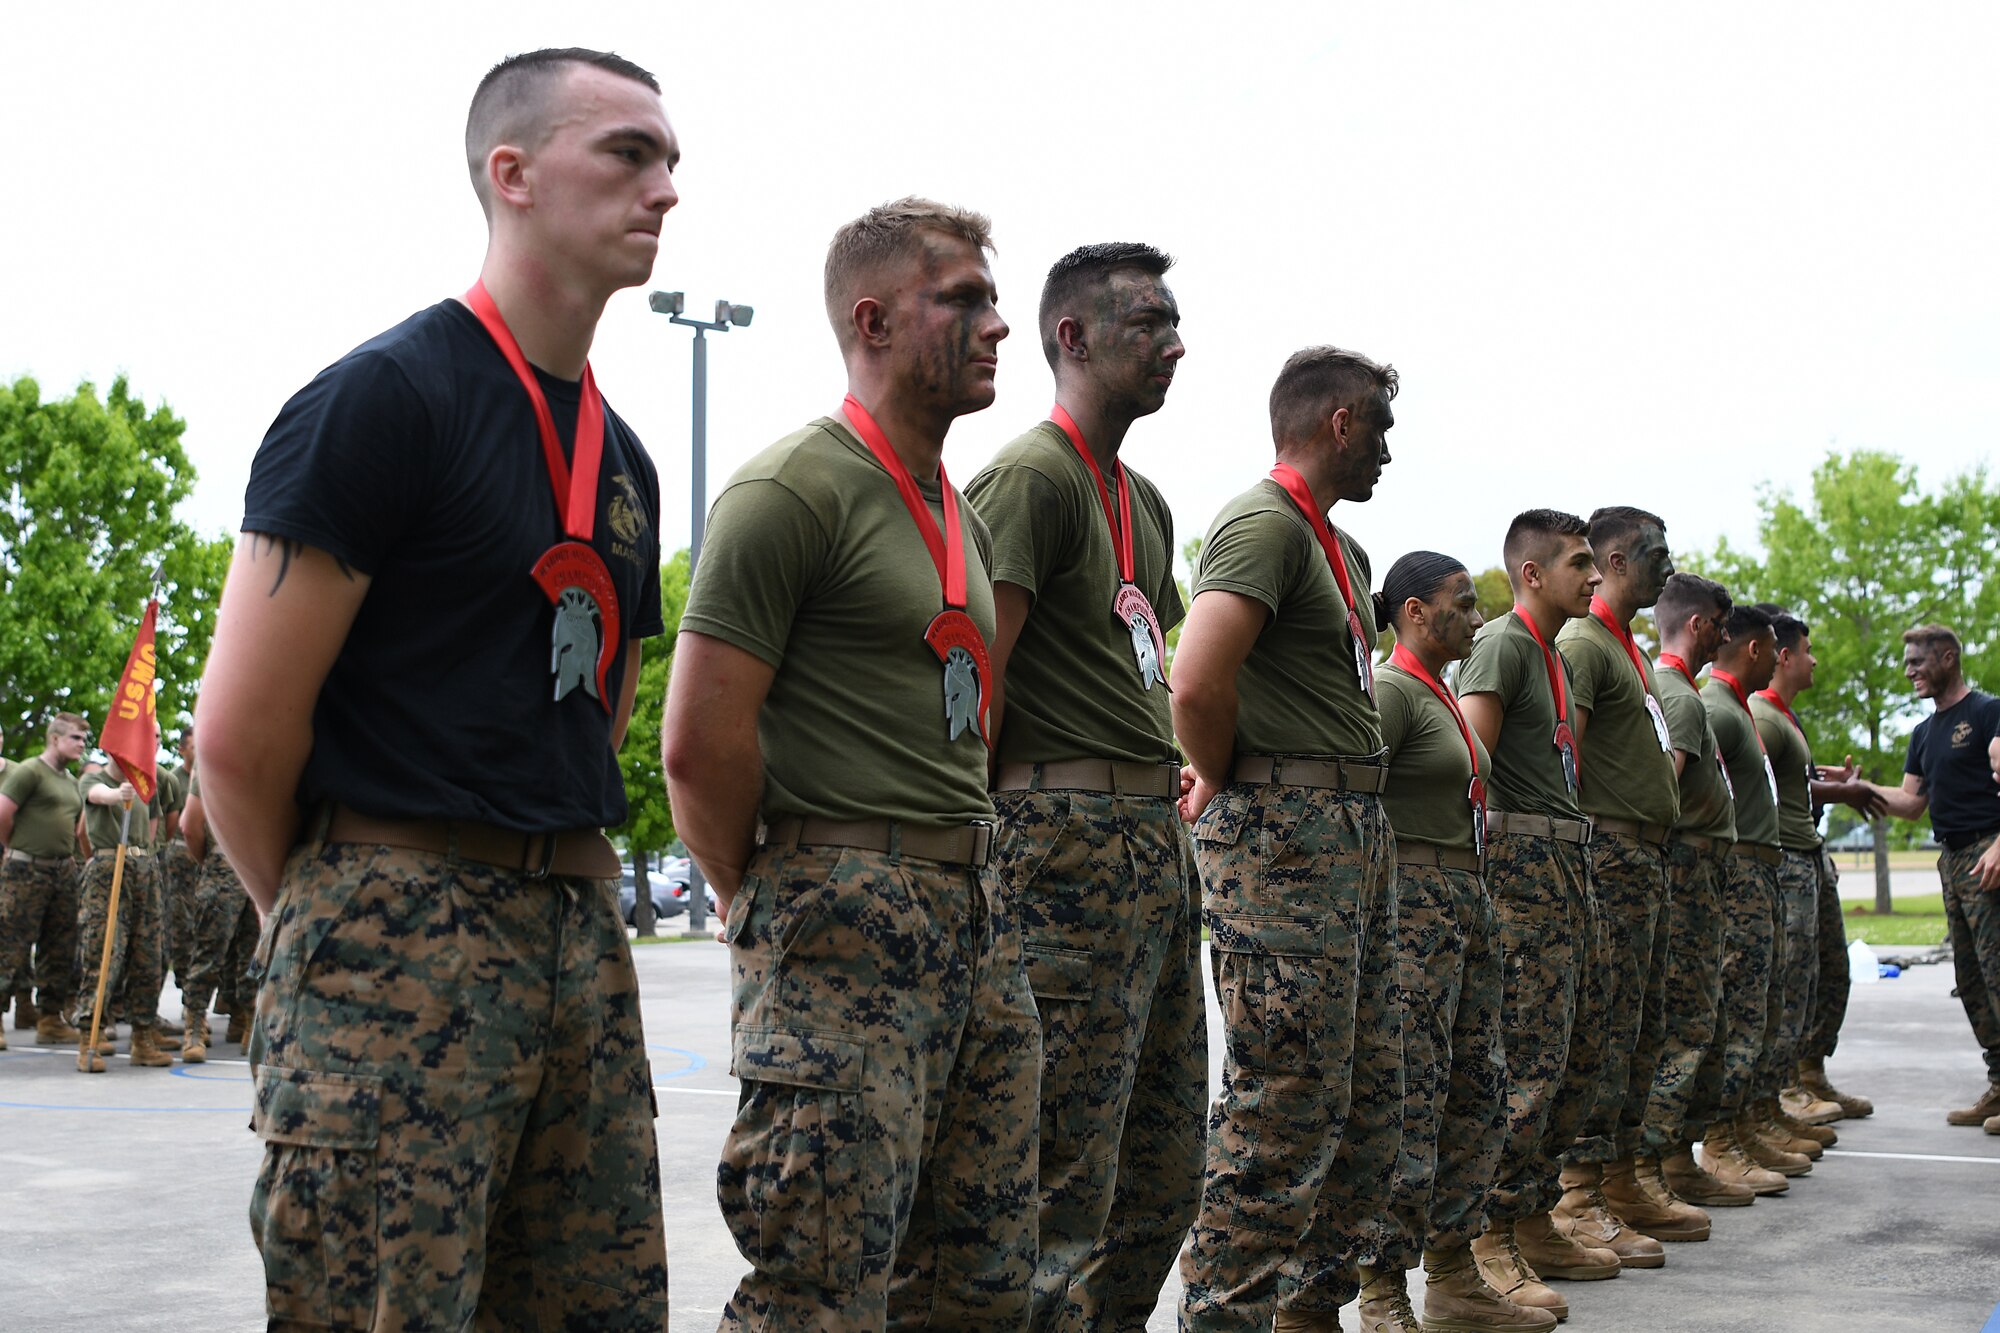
[
  {"x": 1121, "y": 525},
  {"x": 1678, "y": 663},
  {"x": 1601, "y": 609},
  {"x": 1400, "y": 656},
  {"x": 1549, "y": 659},
  {"x": 575, "y": 490},
  {"x": 1742, "y": 697},
  {"x": 1772, "y": 697},
  {"x": 947, "y": 549},
  {"x": 1295, "y": 486}
]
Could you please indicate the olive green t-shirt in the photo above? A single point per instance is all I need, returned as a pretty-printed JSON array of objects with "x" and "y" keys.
[
  {"x": 812, "y": 564},
  {"x": 1736, "y": 738},
  {"x": 1297, "y": 693},
  {"x": 1430, "y": 771},
  {"x": 1074, "y": 689},
  {"x": 101, "y": 822},
  {"x": 1798, "y": 831},
  {"x": 1625, "y": 774},
  {"x": 1527, "y": 776},
  {"x": 47, "y": 803},
  {"x": 1706, "y": 808}
]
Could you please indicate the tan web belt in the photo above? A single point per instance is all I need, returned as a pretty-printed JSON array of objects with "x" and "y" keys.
[
  {"x": 1431, "y": 854},
  {"x": 1115, "y": 776},
  {"x": 1700, "y": 843},
  {"x": 1654, "y": 834},
  {"x": 966, "y": 845},
  {"x": 1756, "y": 851},
  {"x": 1537, "y": 826},
  {"x": 584, "y": 853},
  {"x": 26, "y": 859},
  {"x": 1288, "y": 771}
]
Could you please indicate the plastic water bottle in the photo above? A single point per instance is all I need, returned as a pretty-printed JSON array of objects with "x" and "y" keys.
[{"x": 1861, "y": 964}]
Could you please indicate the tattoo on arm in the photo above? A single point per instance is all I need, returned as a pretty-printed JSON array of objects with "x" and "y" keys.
[{"x": 263, "y": 544}]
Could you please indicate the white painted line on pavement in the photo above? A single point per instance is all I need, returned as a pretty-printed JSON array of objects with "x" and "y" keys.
[{"x": 1911, "y": 1156}]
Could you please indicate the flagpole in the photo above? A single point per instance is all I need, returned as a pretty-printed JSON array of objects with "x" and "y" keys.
[{"x": 87, "y": 1060}]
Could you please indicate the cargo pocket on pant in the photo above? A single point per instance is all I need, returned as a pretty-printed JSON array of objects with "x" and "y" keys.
[
  {"x": 791, "y": 1183},
  {"x": 1274, "y": 988},
  {"x": 314, "y": 1210},
  {"x": 1060, "y": 980}
]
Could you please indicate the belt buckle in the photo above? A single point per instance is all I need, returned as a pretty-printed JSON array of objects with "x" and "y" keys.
[
  {"x": 548, "y": 857},
  {"x": 982, "y": 842}
]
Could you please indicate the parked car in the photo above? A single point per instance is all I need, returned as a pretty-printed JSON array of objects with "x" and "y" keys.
[
  {"x": 680, "y": 891},
  {"x": 664, "y": 887}
]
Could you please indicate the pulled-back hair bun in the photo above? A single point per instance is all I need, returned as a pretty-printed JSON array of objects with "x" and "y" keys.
[{"x": 1419, "y": 574}]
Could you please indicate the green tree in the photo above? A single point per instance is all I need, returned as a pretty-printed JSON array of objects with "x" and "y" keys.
[
  {"x": 1496, "y": 595},
  {"x": 87, "y": 494},
  {"x": 649, "y": 823},
  {"x": 1865, "y": 557}
]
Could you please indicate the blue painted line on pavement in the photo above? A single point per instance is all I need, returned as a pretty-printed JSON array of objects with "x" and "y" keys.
[
  {"x": 1992, "y": 1322},
  {"x": 695, "y": 1064},
  {"x": 155, "y": 1110}
]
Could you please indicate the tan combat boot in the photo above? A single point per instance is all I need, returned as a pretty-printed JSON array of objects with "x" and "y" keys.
[
  {"x": 1653, "y": 1188},
  {"x": 194, "y": 1042},
  {"x": 1585, "y": 1216},
  {"x": 1821, "y": 1137},
  {"x": 1804, "y": 1106},
  {"x": 1750, "y": 1133},
  {"x": 1306, "y": 1321},
  {"x": 50, "y": 1030},
  {"x": 107, "y": 1038},
  {"x": 1653, "y": 1211},
  {"x": 146, "y": 1052},
  {"x": 1992, "y": 1124},
  {"x": 26, "y": 1016},
  {"x": 1688, "y": 1180},
  {"x": 89, "y": 1062},
  {"x": 1385, "y": 1302},
  {"x": 1724, "y": 1156},
  {"x": 1507, "y": 1273},
  {"x": 1773, "y": 1131},
  {"x": 239, "y": 1029},
  {"x": 3, "y": 1041},
  {"x": 1975, "y": 1114},
  {"x": 1457, "y": 1300},
  {"x": 1552, "y": 1253},
  {"x": 1812, "y": 1077}
]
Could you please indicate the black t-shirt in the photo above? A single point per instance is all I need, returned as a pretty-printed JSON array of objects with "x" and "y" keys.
[
  {"x": 1948, "y": 751},
  {"x": 415, "y": 459}
]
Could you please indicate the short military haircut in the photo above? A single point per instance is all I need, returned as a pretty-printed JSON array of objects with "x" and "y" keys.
[
  {"x": 884, "y": 234},
  {"x": 1686, "y": 595},
  {"x": 1937, "y": 638},
  {"x": 511, "y": 103},
  {"x": 1084, "y": 270},
  {"x": 63, "y": 723},
  {"x": 1615, "y": 525},
  {"x": 1744, "y": 623},
  {"x": 1317, "y": 382},
  {"x": 1535, "y": 534},
  {"x": 1789, "y": 629}
]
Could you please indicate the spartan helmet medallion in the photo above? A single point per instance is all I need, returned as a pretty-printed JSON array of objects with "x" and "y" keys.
[
  {"x": 573, "y": 654},
  {"x": 961, "y": 691},
  {"x": 1143, "y": 650}
]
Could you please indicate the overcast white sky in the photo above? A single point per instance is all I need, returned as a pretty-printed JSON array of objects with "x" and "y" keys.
[{"x": 1620, "y": 254}]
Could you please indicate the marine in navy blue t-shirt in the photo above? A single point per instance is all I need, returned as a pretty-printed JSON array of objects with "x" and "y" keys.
[
  {"x": 416, "y": 459},
  {"x": 1948, "y": 750}
]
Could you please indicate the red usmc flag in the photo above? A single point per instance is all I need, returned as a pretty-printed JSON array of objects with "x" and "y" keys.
[{"x": 131, "y": 734}]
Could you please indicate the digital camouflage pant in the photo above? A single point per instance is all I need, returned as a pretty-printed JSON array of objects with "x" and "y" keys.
[
  {"x": 1830, "y": 996},
  {"x": 178, "y": 876},
  {"x": 1737, "y": 1065},
  {"x": 1105, "y": 894},
  {"x": 881, "y": 1169},
  {"x": 1552, "y": 1027},
  {"x": 214, "y": 912},
  {"x": 1630, "y": 879},
  {"x": 1692, "y": 992},
  {"x": 1798, "y": 894},
  {"x": 456, "y": 1108},
  {"x": 1300, "y": 903},
  {"x": 38, "y": 931},
  {"x": 236, "y": 980},
  {"x": 1973, "y": 915},
  {"x": 138, "y": 967},
  {"x": 1455, "y": 1073}
]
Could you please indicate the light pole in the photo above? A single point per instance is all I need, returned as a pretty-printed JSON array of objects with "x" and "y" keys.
[{"x": 727, "y": 316}]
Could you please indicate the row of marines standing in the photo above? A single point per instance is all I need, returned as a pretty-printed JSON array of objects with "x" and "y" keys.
[{"x": 1468, "y": 947}]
